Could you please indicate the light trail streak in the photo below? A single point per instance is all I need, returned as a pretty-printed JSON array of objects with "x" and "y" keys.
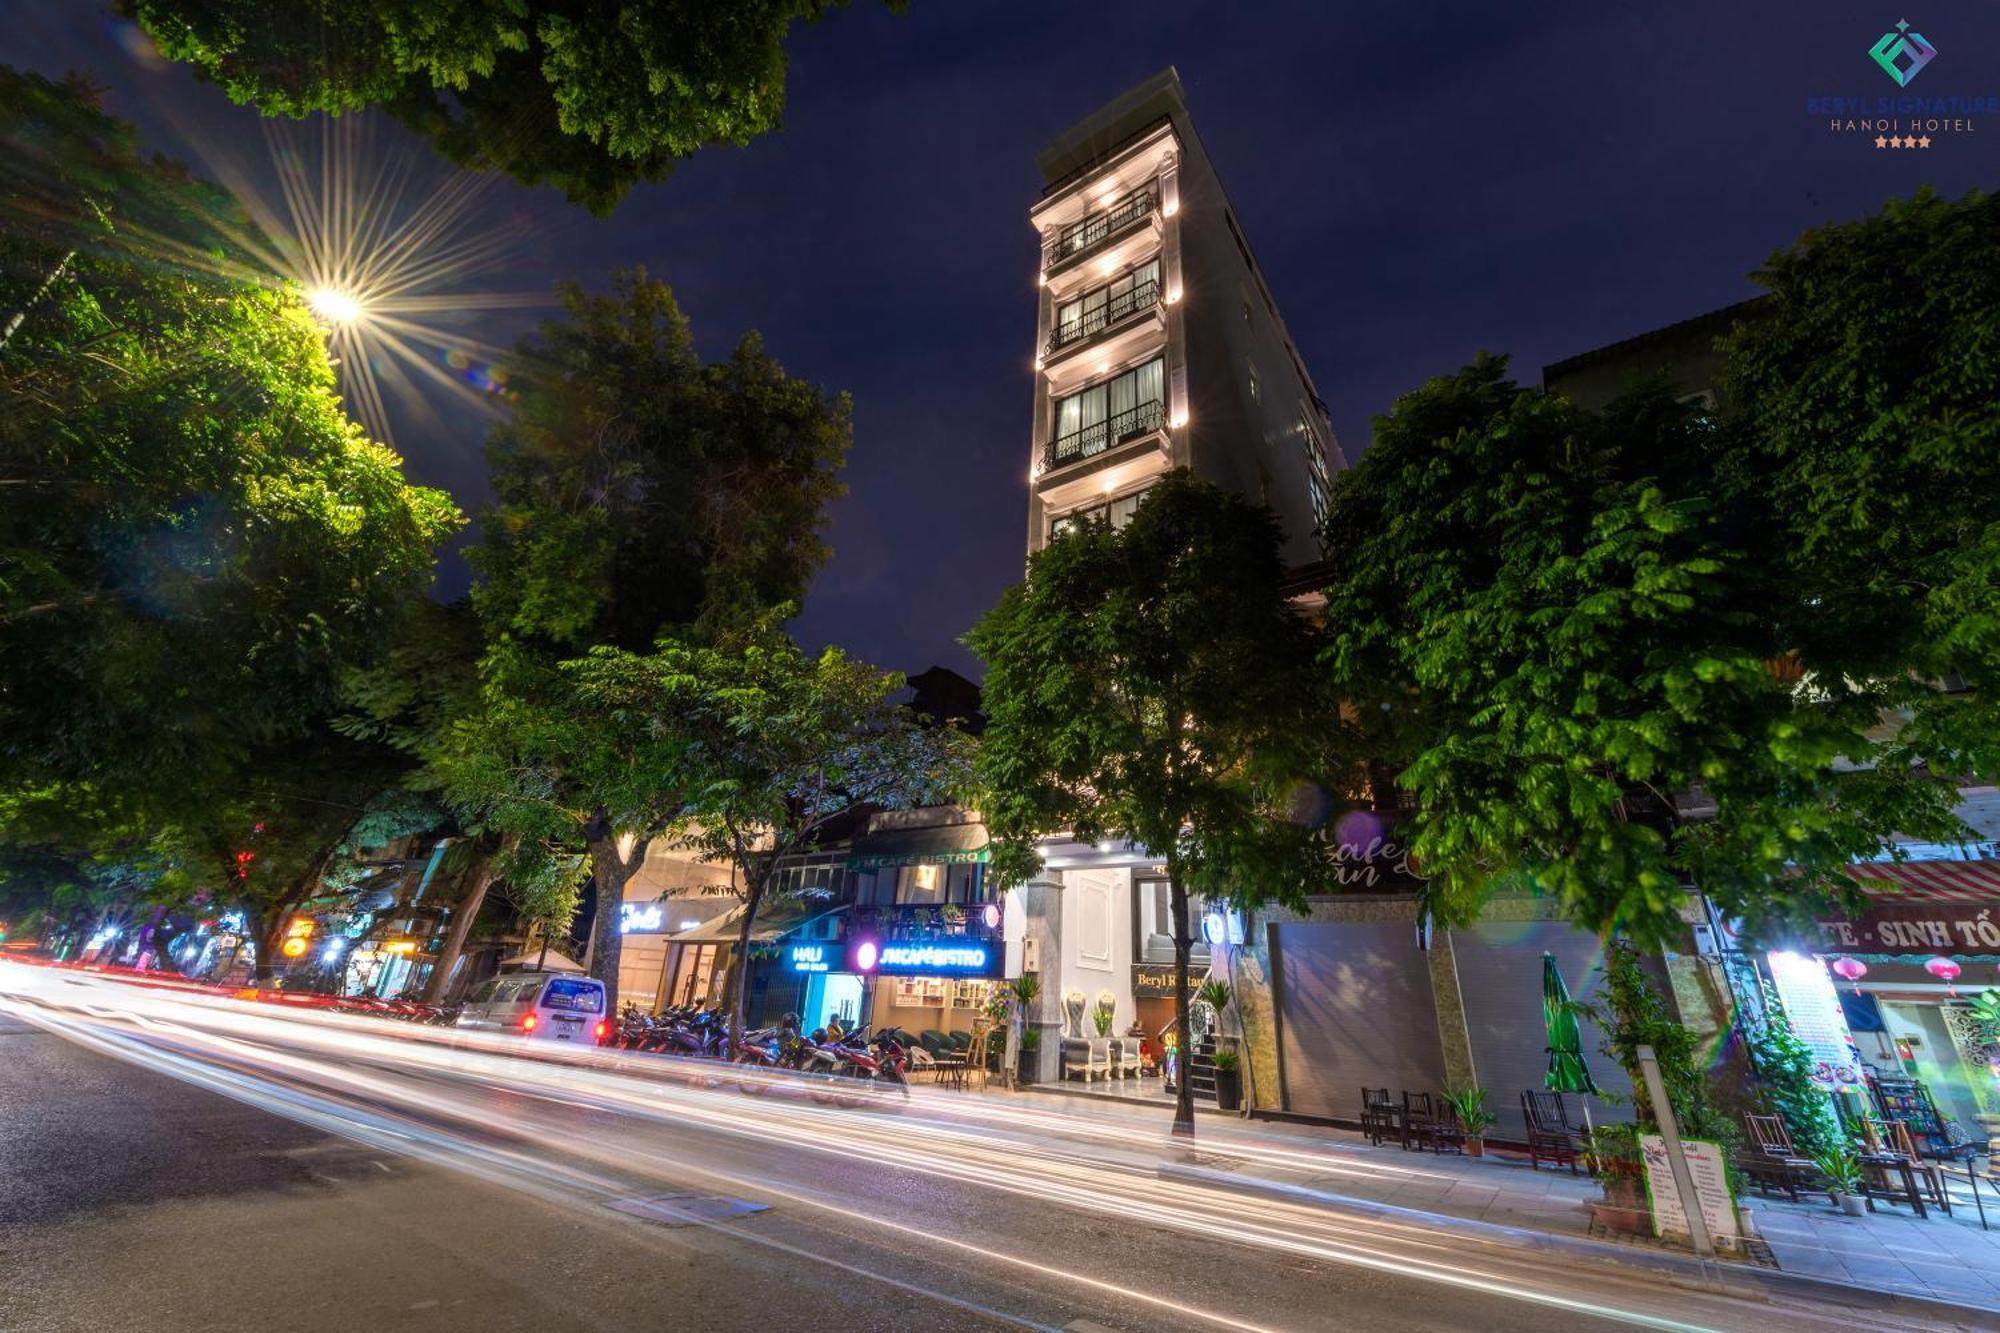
[{"x": 1069, "y": 1161}]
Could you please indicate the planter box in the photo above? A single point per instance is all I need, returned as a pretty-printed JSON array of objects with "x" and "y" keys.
[{"x": 1229, "y": 1089}]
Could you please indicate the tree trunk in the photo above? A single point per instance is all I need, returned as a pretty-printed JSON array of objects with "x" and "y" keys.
[
  {"x": 483, "y": 874},
  {"x": 736, "y": 991},
  {"x": 1183, "y": 1042},
  {"x": 612, "y": 872},
  {"x": 20, "y": 316},
  {"x": 268, "y": 931}
]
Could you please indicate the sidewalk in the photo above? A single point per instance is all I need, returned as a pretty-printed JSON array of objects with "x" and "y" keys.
[{"x": 1939, "y": 1258}]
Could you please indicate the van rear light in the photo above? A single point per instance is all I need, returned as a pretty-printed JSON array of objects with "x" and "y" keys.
[
  {"x": 602, "y": 1030},
  {"x": 528, "y": 1023}
]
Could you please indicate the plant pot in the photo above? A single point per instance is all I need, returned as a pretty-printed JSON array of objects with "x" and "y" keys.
[
  {"x": 1624, "y": 1221},
  {"x": 1229, "y": 1089},
  {"x": 1475, "y": 1146},
  {"x": 1854, "y": 1205},
  {"x": 1028, "y": 1068}
]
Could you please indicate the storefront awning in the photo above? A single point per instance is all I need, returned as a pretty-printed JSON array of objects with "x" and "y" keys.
[
  {"x": 773, "y": 921},
  {"x": 951, "y": 844},
  {"x": 1930, "y": 881}
]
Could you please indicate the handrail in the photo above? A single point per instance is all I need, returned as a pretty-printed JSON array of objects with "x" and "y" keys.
[
  {"x": 1144, "y": 296},
  {"x": 1080, "y": 238},
  {"x": 1101, "y": 435}
]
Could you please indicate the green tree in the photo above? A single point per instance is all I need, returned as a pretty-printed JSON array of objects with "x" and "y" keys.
[
  {"x": 590, "y": 98},
  {"x": 771, "y": 747},
  {"x": 1549, "y": 624},
  {"x": 1861, "y": 448},
  {"x": 1153, "y": 684},
  {"x": 638, "y": 491},
  {"x": 195, "y": 541}
]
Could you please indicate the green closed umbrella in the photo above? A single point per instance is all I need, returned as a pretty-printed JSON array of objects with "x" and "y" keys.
[{"x": 1567, "y": 1071}]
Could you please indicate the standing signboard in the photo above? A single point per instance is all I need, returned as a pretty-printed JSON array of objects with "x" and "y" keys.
[{"x": 1711, "y": 1187}]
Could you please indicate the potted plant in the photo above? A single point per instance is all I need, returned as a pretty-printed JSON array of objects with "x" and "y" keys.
[
  {"x": 1621, "y": 1173},
  {"x": 1842, "y": 1170},
  {"x": 1469, "y": 1104},
  {"x": 1031, "y": 1049},
  {"x": 1024, "y": 990},
  {"x": 1228, "y": 1080},
  {"x": 1215, "y": 994}
]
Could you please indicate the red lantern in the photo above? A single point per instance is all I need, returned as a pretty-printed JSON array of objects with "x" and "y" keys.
[
  {"x": 1944, "y": 970},
  {"x": 1851, "y": 970}
]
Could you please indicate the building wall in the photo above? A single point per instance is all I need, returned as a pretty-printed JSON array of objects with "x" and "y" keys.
[{"x": 1252, "y": 442}]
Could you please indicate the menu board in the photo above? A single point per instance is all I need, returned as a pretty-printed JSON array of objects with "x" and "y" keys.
[
  {"x": 1812, "y": 1008},
  {"x": 1711, "y": 1189}
]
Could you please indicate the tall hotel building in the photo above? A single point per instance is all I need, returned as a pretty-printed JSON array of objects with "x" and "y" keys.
[{"x": 1157, "y": 343}]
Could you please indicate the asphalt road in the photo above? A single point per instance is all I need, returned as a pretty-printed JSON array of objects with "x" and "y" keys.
[{"x": 207, "y": 1171}]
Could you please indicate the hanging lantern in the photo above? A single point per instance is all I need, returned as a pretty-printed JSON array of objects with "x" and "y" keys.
[
  {"x": 1944, "y": 970},
  {"x": 1851, "y": 970}
]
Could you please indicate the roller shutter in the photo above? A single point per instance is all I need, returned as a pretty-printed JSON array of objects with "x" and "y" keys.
[
  {"x": 1500, "y": 978},
  {"x": 1354, "y": 1009}
]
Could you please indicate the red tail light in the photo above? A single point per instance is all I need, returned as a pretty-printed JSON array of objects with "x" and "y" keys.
[
  {"x": 528, "y": 1023},
  {"x": 603, "y": 1029}
]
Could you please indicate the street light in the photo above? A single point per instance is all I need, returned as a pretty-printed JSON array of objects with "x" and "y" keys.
[{"x": 335, "y": 306}]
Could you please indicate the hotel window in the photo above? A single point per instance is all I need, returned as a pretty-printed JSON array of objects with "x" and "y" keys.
[
  {"x": 1104, "y": 414},
  {"x": 1096, "y": 310},
  {"x": 1319, "y": 486},
  {"x": 1115, "y": 512},
  {"x": 925, "y": 885}
]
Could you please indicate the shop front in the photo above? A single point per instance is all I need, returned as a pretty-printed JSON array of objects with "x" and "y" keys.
[
  {"x": 926, "y": 941},
  {"x": 1900, "y": 1002}
]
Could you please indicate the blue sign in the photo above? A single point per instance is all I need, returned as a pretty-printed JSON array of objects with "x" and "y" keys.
[
  {"x": 926, "y": 958},
  {"x": 808, "y": 957}
]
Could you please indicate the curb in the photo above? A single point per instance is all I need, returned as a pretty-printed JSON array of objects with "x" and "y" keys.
[
  {"x": 1117, "y": 1099},
  {"x": 1734, "y": 1279}
]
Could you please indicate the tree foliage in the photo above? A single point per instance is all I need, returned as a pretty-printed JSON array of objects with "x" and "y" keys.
[
  {"x": 195, "y": 541},
  {"x": 1152, "y": 684},
  {"x": 770, "y": 746},
  {"x": 1553, "y": 626},
  {"x": 589, "y": 98},
  {"x": 639, "y": 492}
]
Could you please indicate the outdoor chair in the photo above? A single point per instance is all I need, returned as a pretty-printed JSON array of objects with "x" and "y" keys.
[
  {"x": 1439, "y": 1130},
  {"x": 1771, "y": 1162},
  {"x": 1127, "y": 1061},
  {"x": 1419, "y": 1120},
  {"x": 1085, "y": 1058},
  {"x": 1378, "y": 1115},
  {"x": 1929, "y": 1177},
  {"x": 1891, "y": 1170},
  {"x": 1550, "y": 1133}
]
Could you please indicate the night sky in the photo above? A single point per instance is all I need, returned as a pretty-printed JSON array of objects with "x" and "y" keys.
[{"x": 1536, "y": 180}]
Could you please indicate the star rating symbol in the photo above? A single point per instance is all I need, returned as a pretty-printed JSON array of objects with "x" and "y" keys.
[{"x": 1903, "y": 141}]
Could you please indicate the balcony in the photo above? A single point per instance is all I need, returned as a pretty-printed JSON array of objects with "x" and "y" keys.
[
  {"x": 1098, "y": 230},
  {"x": 1108, "y": 315},
  {"x": 1094, "y": 439},
  {"x": 958, "y": 921}
]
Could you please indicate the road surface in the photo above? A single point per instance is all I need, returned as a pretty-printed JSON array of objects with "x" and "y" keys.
[{"x": 187, "y": 1162}]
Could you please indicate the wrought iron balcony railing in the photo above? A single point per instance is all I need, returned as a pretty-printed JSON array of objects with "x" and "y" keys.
[
  {"x": 1090, "y": 323},
  {"x": 1099, "y": 436},
  {"x": 1080, "y": 238}
]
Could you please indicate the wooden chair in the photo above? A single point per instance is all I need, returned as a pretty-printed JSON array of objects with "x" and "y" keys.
[
  {"x": 1440, "y": 1131},
  {"x": 1892, "y": 1171},
  {"x": 1378, "y": 1115},
  {"x": 1419, "y": 1120},
  {"x": 1771, "y": 1162},
  {"x": 1550, "y": 1133}
]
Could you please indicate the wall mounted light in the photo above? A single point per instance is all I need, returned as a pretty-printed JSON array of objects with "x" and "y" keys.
[
  {"x": 1173, "y": 296},
  {"x": 1178, "y": 421},
  {"x": 1171, "y": 207},
  {"x": 1041, "y": 279}
]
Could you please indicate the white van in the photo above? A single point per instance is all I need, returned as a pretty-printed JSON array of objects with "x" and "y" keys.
[{"x": 550, "y": 1006}]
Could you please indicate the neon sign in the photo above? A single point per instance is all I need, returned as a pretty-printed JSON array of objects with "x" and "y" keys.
[
  {"x": 925, "y": 958},
  {"x": 640, "y": 918},
  {"x": 808, "y": 958}
]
